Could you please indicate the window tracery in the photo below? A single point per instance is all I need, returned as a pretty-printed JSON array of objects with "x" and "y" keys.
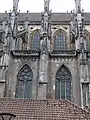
[
  {"x": 87, "y": 34},
  {"x": 18, "y": 44},
  {"x": 63, "y": 84},
  {"x": 60, "y": 40},
  {"x": 24, "y": 83},
  {"x": 35, "y": 40}
]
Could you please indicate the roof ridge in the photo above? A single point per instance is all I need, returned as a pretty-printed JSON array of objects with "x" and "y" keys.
[{"x": 77, "y": 106}]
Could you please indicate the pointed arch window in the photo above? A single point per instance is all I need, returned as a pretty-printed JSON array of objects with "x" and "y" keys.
[
  {"x": 87, "y": 33},
  {"x": 60, "y": 40},
  {"x": 35, "y": 40},
  {"x": 24, "y": 83},
  {"x": 63, "y": 84},
  {"x": 18, "y": 44}
]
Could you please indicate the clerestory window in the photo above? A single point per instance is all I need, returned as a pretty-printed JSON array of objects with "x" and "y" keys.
[
  {"x": 35, "y": 40},
  {"x": 18, "y": 44},
  {"x": 87, "y": 33},
  {"x": 60, "y": 41}
]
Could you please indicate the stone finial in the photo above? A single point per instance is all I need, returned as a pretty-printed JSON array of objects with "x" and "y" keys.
[
  {"x": 46, "y": 5},
  {"x": 15, "y": 5},
  {"x": 78, "y": 5}
]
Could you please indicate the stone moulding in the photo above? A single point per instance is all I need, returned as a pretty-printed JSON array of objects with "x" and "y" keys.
[
  {"x": 25, "y": 53},
  {"x": 63, "y": 53}
]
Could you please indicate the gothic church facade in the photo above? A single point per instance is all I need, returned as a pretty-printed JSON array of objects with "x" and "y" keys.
[{"x": 41, "y": 56}]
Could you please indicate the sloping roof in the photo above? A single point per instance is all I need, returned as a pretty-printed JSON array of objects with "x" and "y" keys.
[
  {"x": 29, "y": 109},
  {"x": 56, "y": 17}
]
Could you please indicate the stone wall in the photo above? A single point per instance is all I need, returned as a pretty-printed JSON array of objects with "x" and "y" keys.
[{"x": 54, "y": 64}]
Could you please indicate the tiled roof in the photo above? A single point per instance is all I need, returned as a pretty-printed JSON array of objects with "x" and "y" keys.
[{"x": 28, "y": 109}]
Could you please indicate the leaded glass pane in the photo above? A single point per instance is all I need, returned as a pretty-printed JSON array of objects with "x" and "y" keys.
[
  {"x": 87, "y": 39},
  {"x": 20, "y": 89},
  {"x": 35, "y": 40},
  {"x": 62, "y": 90},
  {"x": 18, "y": 44},
  {"x": 24, "y": 83},
  {"x": 63, "y": 84},
  {"x": 57, "y": 87},
  {"x": 27, "y": 91},
  {"x": 60, "y": 42},
  {"x": 68, "y": 90}
]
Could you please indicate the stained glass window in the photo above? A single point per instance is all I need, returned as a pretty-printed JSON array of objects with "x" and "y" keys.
[
  {"x": 18, "y": 44},
  {"x": 24, "y": 83},
  {"x": 35, "y": 40},
  {"x": 87, "y": 33},
  {"x": 63, "y": 84},
  {"x": 60, "y": 41}
]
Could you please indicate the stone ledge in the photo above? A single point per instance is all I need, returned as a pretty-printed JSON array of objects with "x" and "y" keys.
[{"x": 2, "y": 81}]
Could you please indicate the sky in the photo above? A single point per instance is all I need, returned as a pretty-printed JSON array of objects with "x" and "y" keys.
[{"x": 38, "y": 5}]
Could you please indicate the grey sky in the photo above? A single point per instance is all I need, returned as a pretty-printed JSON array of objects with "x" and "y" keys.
[{"x": 37, "y": 5}]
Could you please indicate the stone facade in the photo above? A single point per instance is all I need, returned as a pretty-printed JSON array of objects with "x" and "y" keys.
[
  {"x": 52, "y": 61},
  {"x": 55, "y": 62}
]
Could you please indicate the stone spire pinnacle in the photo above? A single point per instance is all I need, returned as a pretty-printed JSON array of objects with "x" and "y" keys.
[
  {"x": 78, "y": 5},
  {"x": 46, "y": 5},
  {"x": 80, "y": 43},
  {"x": 15, "y": 5}
]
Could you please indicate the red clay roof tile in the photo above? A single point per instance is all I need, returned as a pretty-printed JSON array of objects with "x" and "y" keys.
[{"x": 34, "y": 109}]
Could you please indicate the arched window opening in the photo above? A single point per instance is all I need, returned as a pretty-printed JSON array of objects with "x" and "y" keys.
[
  {"x": 60, "y": 40},
  {"x": 63, "y": 83},
  {"x": 87, "y": 33},
  {"x": 35, "y": 40},
  {"x": 18, "y": 44},
  {"x": 24, "y": 83}
]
